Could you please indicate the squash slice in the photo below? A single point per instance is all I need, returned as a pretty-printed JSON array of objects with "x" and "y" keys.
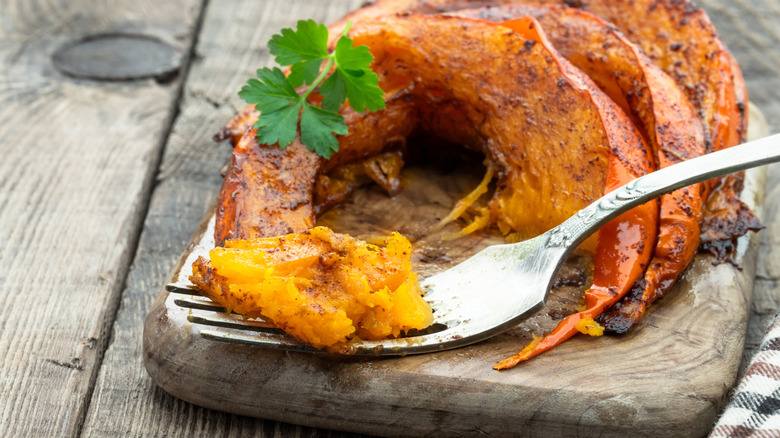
[
  {"x": 662, "y": 112},
  {"x": 546, "y": 126},
  {"x": 556, "y": 140}
]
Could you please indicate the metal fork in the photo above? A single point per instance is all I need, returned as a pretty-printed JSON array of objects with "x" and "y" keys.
[{"x": 501, "y": 285}]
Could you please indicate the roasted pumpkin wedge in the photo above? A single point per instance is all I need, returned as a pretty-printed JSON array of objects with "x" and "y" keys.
[
  {"x": 662, "y": 112},
  {"x": 556, "y": 140},
  {"x": 543, "y": 123},
  {"x": 322, "y": 287},
  {"x": 679, "y": 37},
  {"x": 676, "y": 34},
  {"x": 623, "y": 249}
]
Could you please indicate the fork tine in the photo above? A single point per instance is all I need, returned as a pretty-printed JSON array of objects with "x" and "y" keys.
[
  {"x": 462, "y": 315},
  {"x": 220, "y": 320},
  {"x": 500, "y": 285},
  {"x": 256, "y": 332},
  {"x": 281, "y": 341},
  {"x": 198, "y": 302},
  {"x": 182, "y": 288}
]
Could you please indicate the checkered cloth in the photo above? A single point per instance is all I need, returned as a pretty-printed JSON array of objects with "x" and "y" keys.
[{"x": 754, "y": 410}]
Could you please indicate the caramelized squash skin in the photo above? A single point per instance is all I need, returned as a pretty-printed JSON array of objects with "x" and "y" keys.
[
  {"x": 547, "y": 127},
  {"x": 679, "y": 37},
  {"x": 662, "y": 112},
  {"x": 623, "y": 249},
  {"x": 322, "y": 287},
  {"x": 269, "y": 191},
  {"x": 236, "y": 127},
  {"x": 260, "y": 196}
]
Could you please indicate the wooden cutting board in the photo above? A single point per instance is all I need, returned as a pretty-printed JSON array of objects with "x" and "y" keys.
[{"x": 670, "y": 376}]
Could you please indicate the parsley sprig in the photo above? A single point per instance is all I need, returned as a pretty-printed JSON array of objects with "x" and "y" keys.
[{"x": 282, "y": 99}]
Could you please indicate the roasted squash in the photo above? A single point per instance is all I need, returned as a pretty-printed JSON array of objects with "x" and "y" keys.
[
  {"x": 556, "y": 140},
  {"x": 662, "y": 112},
  {"x": 678, "y": 37},
  {"x": 676, "y": 34},
  {"x": 322, "y": 287},
  {"x": 543, "y": 123},
  {"x": 621, "y": 254}
]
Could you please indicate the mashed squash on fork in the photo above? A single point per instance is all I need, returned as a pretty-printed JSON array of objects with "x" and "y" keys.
[{"x": 322, "y": 287}]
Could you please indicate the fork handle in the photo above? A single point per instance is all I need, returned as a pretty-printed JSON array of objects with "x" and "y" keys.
[{"x": 648, "y": 187}]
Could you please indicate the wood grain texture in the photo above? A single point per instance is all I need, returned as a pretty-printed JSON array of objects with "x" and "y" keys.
[
  {"x": 668, "y": 377},
  {"x": 749, "y": 30},
  {"x": 766, "y": 292},
  {"x": 125, "y": 401},
  {"x": 231, "y": 47},
  {"x": 78, "y": 160},
  {"x": 117, "y": 57}
]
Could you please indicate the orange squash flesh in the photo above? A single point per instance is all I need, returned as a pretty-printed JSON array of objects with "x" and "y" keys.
[
  {"x": 319, "y": 286},
  {"x": 520, "y": 118},
  {"x": 662, "y": 112},
  {"x": 679, "y": 37},
  {"x": 547, "y": 127},
  {"x": 623, "y": 249}
]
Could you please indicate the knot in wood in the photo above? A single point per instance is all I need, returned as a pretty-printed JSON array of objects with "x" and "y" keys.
[{"x": 118, "y": 57}]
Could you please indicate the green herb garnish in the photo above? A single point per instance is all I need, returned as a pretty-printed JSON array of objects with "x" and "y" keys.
[{"x": 281, "y": 99}]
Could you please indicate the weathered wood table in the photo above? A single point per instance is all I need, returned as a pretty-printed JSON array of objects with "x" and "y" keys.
[{"x": 103, "y": 180}]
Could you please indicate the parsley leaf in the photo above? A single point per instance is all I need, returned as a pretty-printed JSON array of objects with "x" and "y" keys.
[
  {"x": 309, "y": 41},
  {"x": 304, "y": 72},
  {"x": 334, "y": 92},
  {"x": 279, "y": 126},
  {"x": 352, "y": 80},
  {"x": 317, "y": 126},
  {"x": 281, "y": 99},
  {"x": 271, "y": 92}
]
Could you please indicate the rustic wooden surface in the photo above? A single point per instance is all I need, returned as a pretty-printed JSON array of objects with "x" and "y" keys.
[
  {"x": 667, "y": 378},
  {"x": 79, "y": 160},
  {"x": 102, "y": 183}
]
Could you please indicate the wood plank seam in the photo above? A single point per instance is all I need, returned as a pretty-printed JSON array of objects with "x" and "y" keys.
[
  {"x": 150, "y": 183},
  {"x": 153, "y": 410}
]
